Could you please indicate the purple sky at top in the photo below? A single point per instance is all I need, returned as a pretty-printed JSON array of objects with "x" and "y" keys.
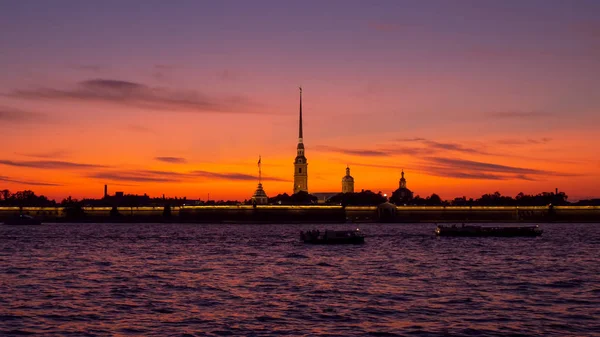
[{"x": 459, "y": 71}]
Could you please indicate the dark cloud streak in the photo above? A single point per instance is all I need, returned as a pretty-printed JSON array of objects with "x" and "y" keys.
[
  {"x": 140, "y": 96},
  {"x": 233, "y": 176},
  {"x": 50, "y": 164},
  {"x": 168, "y": 176},
  {"x": 520, "y": 115},
  {"x": 50, "y": 154},
  {"x": 33, "y": 183},
  {"x": 172, "y": 160}
]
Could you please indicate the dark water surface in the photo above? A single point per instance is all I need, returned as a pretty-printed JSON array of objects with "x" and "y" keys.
[{"x": 258, "y": 280}]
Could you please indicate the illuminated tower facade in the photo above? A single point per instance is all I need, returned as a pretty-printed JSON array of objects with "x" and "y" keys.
[
  {"x": 300, "y": 164},
  {"x": 347, "y": 182}
]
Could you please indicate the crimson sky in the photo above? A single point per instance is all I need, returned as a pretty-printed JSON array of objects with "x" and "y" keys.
[{"x": 181, "y": 97}]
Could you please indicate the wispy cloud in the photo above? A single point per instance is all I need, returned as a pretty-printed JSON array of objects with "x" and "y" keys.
[
  {"x": 384, "y": 166},
  {"x": 49, "y": 154},
  {"x": 173, "y": 160},
  {"x": 233, "y": 176},
  {"x": 138, "y": 176},
  {"x": 482, "y": 166},
  {"x": 140, "y": 96},
  {"x": 169, "y": 176},
  {"x": 469, "y": 169},
  {"x": 375, "y": 152},
  {"x": 26, "y": 182},
  {"x": 12, "y": 115},
  {"x": 431, "y": 146},
  {"x": 50, "y": 164},
  {"x": 354, "y": 152},
  {"x": 520, "y": 114},
  {"x": 524, "y": 141},
  {"x": 446, "y": 146}
]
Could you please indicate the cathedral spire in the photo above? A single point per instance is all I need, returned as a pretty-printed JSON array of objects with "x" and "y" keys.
[
  {"x": 300, "y": 129},
  {"x": 300, "y": 164}
]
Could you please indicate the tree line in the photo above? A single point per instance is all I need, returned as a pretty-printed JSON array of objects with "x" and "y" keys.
[{"x": 363, "y": 198}]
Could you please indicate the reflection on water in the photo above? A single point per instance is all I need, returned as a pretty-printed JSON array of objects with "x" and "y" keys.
[{"x": 259, "y": 280}]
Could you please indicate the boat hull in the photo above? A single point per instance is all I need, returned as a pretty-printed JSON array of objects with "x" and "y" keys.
[{"x": 332, "y": 237}]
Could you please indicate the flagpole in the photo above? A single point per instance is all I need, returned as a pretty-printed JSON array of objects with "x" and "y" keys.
[{"x": 259, "y": 171}]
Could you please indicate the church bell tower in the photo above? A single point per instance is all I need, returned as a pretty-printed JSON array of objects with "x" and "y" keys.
[{"x": 300, "y": 164}]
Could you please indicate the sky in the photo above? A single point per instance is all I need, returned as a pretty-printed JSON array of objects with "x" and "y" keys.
[{"x": 181, "y": 97}]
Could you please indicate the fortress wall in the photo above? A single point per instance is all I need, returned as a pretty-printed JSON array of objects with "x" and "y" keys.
[
  {"x": 272, "y": 214},
  {"x": 315, "y": 214},
  {"x": 40, "y": 212},
  {"x": 361, "y": 214}
]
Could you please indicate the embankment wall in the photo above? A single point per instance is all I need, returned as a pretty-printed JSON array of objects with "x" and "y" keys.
[{"x": 312, "y": 214}]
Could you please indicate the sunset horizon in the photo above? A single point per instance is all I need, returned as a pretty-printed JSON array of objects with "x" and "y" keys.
[{"x": 468, "y": 102}]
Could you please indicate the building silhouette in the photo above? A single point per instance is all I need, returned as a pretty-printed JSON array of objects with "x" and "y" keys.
[
  {"x": 260, "y": 196},
  {"x": 300, "y": 163},
  {"x": 347, "y": 182}
]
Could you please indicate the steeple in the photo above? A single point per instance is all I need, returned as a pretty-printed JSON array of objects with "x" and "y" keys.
[
  {"x": 259, "y": 171},
  {"x": 402, "y": 180},
  {"x": 300, "y": 128}
]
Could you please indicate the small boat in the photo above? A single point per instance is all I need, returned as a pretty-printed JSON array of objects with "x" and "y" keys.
[
  {"x": 475, "y": 230},
  {"x": 329, "y": 237},
  {"x": 22, "y": 220}
]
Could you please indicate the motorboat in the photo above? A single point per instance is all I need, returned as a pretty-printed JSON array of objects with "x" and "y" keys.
[
  {"x": 478, "y": 230},
  {"x": 330, "y": 237},
  {"x": 22, "y": 220}
]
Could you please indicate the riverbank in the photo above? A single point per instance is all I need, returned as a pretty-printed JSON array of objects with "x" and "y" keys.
[{"x": 310, "y": 214}]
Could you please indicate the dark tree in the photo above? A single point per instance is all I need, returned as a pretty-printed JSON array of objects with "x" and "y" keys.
[
  {"x": 434, "y": 200},
  {"x": 363, "y": 198}
]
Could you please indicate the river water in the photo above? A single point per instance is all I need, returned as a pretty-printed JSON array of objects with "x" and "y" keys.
[{"x": 259, "y": 280}]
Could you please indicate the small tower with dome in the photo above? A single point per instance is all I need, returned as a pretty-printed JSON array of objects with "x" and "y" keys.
[
  {"x": 402, "y": 181},
  {"x": 347, "y": 182},
  {"x": 402, "y": 195}
]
